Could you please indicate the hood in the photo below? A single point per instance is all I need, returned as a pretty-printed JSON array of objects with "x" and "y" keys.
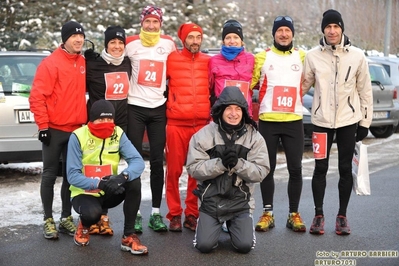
[{"x": 231, "y": 95}]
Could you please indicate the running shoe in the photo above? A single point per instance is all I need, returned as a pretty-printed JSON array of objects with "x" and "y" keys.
[
  {"x": 156, "y": 223},
  {"x": 81, "y": 236},
  {"x": 49, "y": 229},
  {"x": 294, "y": 222},
  {"x": 190, "y": 222},
  {"x": 138, "y": 224},
  {"x": 342, "y": 226},
  {"x": 317, "y": 227},
  {"x": 266, "y": 222},
  {"x": 67, "y": 226},
  {"x": 132, "y": 243},
  {"x": 105, "y": 229},
  {"x": 175, "y": 224}
]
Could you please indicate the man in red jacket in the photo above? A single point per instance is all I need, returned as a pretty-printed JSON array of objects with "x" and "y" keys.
[
  {"x": 187, "y": 111},
  {"x": 58, "y": 102}
]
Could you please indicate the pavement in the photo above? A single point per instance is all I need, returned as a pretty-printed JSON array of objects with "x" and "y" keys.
[{"x": 374, "y": 239}]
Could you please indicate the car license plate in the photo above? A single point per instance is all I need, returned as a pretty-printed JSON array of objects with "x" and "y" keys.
[
  {"x": 25, "y": 116},
  {"x": 380, "y": 115}
]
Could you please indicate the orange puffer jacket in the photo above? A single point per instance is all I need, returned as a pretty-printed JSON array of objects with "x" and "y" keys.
[{"x": 188, "y": 101}]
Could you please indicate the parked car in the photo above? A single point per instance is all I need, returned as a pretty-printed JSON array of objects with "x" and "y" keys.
[
  {"x": 385, "y": 115},
  {"x": 391, "y": 65},
  {"x": 18, "y": 131}
]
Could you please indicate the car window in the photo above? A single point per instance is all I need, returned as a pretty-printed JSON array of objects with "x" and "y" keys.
[
  {"x": 387, "y": 68},
  {"x": 378, "y": 73},
  {"x": 17, "y": 72}
]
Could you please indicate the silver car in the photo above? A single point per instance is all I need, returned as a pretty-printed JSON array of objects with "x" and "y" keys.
[
  {"x": 385, "y": 117},
  {"x": 18, "y": 131}
]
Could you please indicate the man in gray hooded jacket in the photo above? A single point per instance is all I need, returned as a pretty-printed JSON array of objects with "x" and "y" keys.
[{"x": 227, "y": 157}]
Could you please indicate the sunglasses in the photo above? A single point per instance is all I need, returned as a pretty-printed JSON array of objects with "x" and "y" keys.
[
  {"x": 287, "y": 18},
  {"x": 232, "y": 24}
]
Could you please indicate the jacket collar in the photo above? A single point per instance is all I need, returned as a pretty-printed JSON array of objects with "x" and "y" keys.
[
  {"x": 342, "y": 46},
  {"x": 279, "y": 52},
  {"x": 189, "y": 54}
]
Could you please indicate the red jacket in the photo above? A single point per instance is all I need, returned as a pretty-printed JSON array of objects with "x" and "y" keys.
[
  {"x": 58, "y": 95},
  {"x": 188, "y": 101}
]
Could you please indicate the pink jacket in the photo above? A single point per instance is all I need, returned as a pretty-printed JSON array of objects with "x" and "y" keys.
[{"x": 238, "y": 69}]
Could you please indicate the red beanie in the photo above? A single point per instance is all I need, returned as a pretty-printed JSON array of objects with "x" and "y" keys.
[{"x": 185, "y": 29}]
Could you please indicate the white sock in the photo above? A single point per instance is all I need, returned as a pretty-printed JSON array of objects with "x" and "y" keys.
[
  {"x": 138, "y": 212},
  {"x": 155, "y": 210}
]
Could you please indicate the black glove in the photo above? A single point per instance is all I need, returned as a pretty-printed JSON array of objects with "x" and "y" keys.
[
  {"x": 361, "y": 133},
  {"x": 110, "y": 185},
  {"x": 45, "y": 136},
  {"x": 229, "y": 158},
  {"x": 121, "y": 178},
  {"x": 90, "y": 54}
]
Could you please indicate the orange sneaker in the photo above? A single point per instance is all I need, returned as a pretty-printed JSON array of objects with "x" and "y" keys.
[
  {"x": 81, "y": 237},
  {"x": 94, "y": 229},
  {"x": 132, "y": 243},
  {"x": 105, "y": 229}
]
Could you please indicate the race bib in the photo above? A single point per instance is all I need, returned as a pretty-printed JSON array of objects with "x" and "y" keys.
[
  {"x": 97, "y": 170},
  {"x": 116, "y": 85},
  {"x": 150, "y": 73},
  {"x": 284, "y": 99},
  {"x": 242, "y": 85},
  {"x": 319, "y": 142}
]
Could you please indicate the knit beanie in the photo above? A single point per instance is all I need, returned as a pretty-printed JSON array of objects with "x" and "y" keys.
[
  {"x": 185, "y": 30},
  {"x": 332, "y": 16},
  {"x": 102, "y": 109},
  {"x": 151, "y": 12},
  {"x": 114, "y": 32},
  {"x": 70, "y": 28},
  {"x": 232, "y": 26},
  {"x": 281, "y": 21}
]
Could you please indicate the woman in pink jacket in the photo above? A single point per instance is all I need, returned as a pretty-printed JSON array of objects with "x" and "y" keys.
[{"x": 233, "y": 66}]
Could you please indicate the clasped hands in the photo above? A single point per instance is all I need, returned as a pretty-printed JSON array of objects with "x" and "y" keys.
[
  {"x": 112, "y": 184},
  {"x": 229, "y": 158}
]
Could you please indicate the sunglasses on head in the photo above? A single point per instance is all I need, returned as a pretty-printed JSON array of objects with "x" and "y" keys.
[
  {"x": 287, "y": 18},
  {"x": 232, "y": 24}
]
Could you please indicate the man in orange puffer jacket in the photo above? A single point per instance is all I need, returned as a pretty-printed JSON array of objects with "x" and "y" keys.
[{"x": 187, "y": 111}]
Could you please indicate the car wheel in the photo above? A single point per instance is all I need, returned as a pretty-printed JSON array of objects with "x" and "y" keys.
[{"x": 382, "y": 132}]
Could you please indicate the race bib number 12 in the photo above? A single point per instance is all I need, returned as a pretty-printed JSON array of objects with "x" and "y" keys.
[{"x": 319, "y": 141}]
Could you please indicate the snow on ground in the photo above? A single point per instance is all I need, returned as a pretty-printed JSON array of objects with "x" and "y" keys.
[
  {"x": 20, "y": 196},
  {"x": 20, "y": 193}
]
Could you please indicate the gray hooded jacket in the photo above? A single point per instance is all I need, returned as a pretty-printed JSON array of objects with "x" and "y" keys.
[{"x": 225, "y": 192}]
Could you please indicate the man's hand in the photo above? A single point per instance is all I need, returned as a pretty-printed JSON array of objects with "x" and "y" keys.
[
  {"x": 361, "y": 133},
  {"x": 120, "y": 179},
  {"x": 112, "y": 184},
  {"x": 229, "y": 158},
  {"x": 109, "y": 185},
  {"x": 45, "y": 136}
]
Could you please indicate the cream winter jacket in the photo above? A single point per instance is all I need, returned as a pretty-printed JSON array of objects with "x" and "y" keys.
[{"x": 342, "y": 86}]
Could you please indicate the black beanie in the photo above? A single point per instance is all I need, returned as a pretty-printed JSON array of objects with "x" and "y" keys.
[
  {"x": 232, "y": 26},
  {"x": 70, "y": 28},
  {"x": 114, "y": 32},
  {"x": 332, "y": 16},
  {"x": 102, "y": 109},
  {"x": 281, "y": 21}
]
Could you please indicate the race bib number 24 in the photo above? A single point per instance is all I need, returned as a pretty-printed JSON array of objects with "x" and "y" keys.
[{"x": 150, "y": 73}]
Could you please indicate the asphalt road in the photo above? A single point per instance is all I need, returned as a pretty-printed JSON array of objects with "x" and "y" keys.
[{"x": 372, "y": 219}]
